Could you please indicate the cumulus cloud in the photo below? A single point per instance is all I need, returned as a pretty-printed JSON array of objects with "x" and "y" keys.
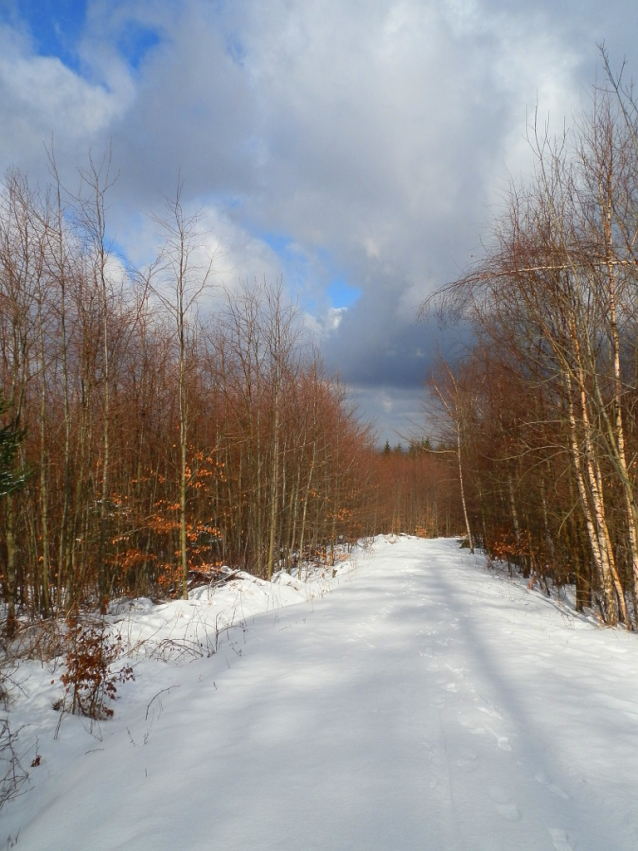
[
  {"x": 368, "y": 142},
  {"x": 42, "y": 99}
]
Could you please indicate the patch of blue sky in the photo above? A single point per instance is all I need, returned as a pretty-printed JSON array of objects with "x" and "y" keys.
[
  {"x": 297, "y": 266},
  {"x": 135, "y": 42},
  {"x": 116, "y": 249},
  {"x": 279, "y": 242},
  {"x": 54, "y": 25},
  {"x": 342, "y": 294}
]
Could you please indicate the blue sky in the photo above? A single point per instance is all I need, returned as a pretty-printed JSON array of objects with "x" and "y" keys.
[
  {"x": 355, "y": 150},
  {"x": 57, "y": 27}
]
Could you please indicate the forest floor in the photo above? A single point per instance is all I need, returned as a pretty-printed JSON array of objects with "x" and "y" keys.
[{"x": 425, "y": 703}]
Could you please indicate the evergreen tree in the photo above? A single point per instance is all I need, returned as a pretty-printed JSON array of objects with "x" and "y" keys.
[{"x": 10, "y": 439}]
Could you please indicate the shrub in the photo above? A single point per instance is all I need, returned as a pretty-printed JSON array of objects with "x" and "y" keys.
[{"x": 89, "y": 681}]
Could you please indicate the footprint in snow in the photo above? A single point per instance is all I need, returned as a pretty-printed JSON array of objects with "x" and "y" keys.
[
  {"x": 489, "y": 710},
  {"x": 503, "y": 804},
  {"x": 560, "y": 838},
  {"x": 509, "y": 812},
  {"x": 471, "y": 727},
  {"x": 544, "y": 781}
]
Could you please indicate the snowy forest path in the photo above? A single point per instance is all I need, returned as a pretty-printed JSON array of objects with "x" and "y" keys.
[{"x": 426, "y": 705}]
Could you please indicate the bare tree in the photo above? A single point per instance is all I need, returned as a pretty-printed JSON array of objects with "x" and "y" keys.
[{"x": 178, "y": 279}]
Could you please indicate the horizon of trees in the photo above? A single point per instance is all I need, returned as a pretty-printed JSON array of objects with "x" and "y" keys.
[
  {"x": 154, "y": 443},
  {"x": 544, "y": 404}
]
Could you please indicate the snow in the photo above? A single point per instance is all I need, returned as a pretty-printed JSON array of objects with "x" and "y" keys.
[{"x": 424, "y": 703}]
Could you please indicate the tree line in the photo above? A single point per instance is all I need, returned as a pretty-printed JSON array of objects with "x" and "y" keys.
[
  {"x": 150, "y": 439},
  {"x": 542, "y": 407}
]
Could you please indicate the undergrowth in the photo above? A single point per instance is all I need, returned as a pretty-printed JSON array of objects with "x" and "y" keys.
[{"x": 89, "y": 681}]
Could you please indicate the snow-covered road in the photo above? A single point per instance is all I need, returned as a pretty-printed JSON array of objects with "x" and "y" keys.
[{"x": 425, "y": 705}]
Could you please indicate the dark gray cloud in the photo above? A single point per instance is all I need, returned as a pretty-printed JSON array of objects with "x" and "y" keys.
[{"x": 369, "y": 141}]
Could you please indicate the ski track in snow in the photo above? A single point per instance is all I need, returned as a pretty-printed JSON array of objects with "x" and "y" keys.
[{"x": 425, "y": 705}]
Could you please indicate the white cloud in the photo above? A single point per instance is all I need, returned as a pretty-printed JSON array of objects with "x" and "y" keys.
[
  {"x": 42, "y": 98},
  {"x": 376, "y": 136}
]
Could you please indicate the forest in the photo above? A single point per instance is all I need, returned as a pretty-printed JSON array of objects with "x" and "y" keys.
[
  {"x": 157, "y": 426},
  {"x": 542, "y": 405}
]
